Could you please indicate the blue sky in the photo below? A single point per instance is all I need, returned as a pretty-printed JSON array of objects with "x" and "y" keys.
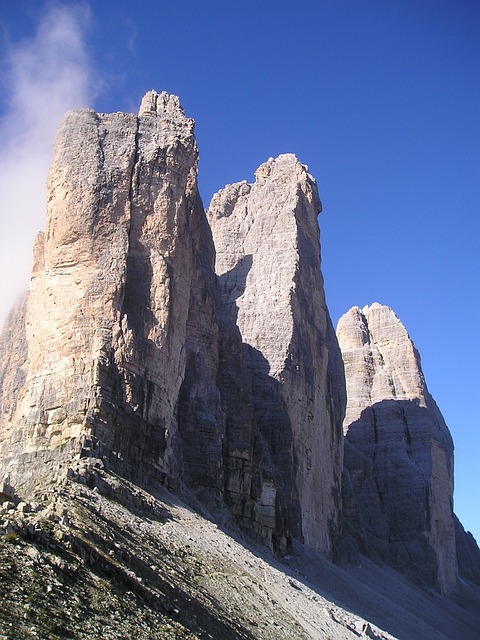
[{"x": 381, "y": 98}]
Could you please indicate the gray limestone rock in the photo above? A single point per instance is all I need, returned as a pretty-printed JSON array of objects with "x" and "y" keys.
[
  {"x": 117, "y": 275},
  {"x": 13, "y": 362},
  {"x": 398, "y": 452},
  {"x": 268, "y": 264},
  {"x": 468, "y": 554},
  {"x": 167, "y": 344}
]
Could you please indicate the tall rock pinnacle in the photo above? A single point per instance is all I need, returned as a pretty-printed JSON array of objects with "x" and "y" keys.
[
  {"x": 268, "y": 262},
  {"x": 163, "y": 343},
  {"x": 111, "y": 288},
  {"x": 398, "y": 452}
]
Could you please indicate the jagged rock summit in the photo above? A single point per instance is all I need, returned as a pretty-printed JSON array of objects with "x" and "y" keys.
[
  {"x": 110, "y": 292},
  {"x": 398, "y": 451},
  {"x": 268, "y": 262}
]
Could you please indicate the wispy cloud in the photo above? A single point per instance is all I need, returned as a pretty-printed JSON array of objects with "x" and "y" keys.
[
  {"x": 42, "y": 77},
  {"x": 132, "y": 35}
]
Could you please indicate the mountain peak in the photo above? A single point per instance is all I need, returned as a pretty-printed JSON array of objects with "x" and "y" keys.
[
  {"x": 160, "y": 103},
  {"x": 398, "y": 451},
  {"x": 162, "y": 346}
]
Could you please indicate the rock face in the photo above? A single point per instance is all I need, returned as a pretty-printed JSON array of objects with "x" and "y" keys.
[
  {"x": 268, "y": 263},
  {"x": 468, "y": 554},
  {"x": 13, "y": 363},
  {"x": 111, "y": 289},
  {"x": 398, "y": 481},
  {"x": 128, "y": 351}
]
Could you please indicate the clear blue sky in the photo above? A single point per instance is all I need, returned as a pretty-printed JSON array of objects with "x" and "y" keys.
[{"x": 381, "y": 98}]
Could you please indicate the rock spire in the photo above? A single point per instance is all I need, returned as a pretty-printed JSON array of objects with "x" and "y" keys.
[
  {"x": 268, "y": 263},
  {"x": 398, "y": 452},
  {"x": 165, "y": 344},
  {"x": 110, "y": 290}
]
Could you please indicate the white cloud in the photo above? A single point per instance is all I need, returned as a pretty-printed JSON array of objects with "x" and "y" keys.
[
  {"x": 43, "y": 76},
  {"x": 132, "y": 35}
]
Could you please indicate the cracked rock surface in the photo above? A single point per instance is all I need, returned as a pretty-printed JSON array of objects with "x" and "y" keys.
[
  {"x": 268, "y": 262},
  {"x": 146, "y": 363},
  {"x": 128, "y": 348}
]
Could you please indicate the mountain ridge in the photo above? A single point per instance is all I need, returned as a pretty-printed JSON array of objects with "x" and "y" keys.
[{"x": 166, "y": 345}]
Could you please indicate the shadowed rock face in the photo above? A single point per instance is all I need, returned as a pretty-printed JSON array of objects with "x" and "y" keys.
[
  {"x": 127, "y": 349},
  {"x": 468, "y": 554},
  {"x": 216, "y": 370},
  {"x": 267, "y": 242},
  {"x": 398, "y": 480},
  {"x": 117, "y": 352},
  {"x": 13, "y": 363}
]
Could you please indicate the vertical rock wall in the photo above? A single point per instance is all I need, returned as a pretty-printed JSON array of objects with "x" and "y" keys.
[
  {"x": 13, "y": 366},
  {"x": 115, "y": 278},
  {"x": 468, "y": 554},
  {"x": 398, "y": 452},
  {"x": 129, "y": 348},
  {"x": 268, "y": 263}
]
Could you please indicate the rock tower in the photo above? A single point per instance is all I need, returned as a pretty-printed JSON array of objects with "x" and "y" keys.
[{"x": 398, "y": 483}]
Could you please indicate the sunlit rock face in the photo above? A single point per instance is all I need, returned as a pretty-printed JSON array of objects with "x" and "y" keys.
[
  {"x": 122, "y": 261},
  {"x": 195, "y": 349},
  {"x": 398, "y": 480},
  {"x": 268, "y": 264},
  {"x": 116, "y": 353}
]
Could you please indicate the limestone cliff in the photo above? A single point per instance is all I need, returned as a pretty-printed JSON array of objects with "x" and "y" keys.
[
  {"x": 109, "y": 298},
  {"x": 268, "y": 262},
  {"x": 13, "y": 362},
  {"x": 398, "y": 452},
  {"x": 127, "y": 350},
  {"x": 117, "y": 354},
  {"x": 468, "y": 554}
]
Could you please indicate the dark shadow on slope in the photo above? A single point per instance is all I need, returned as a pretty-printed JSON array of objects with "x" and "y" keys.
[
  {"x": 371, "y": 591},
  {"x": 389, "y": 600},
  {"x": 162, "y": 585},
  {"x": 375, "y": 592},
  {"x": 380, "y": 595}
]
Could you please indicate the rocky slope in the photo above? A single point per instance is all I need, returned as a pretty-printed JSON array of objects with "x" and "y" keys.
[
  {"x": 398, "y": 452},
  {"x": 78, "y": 564}
]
